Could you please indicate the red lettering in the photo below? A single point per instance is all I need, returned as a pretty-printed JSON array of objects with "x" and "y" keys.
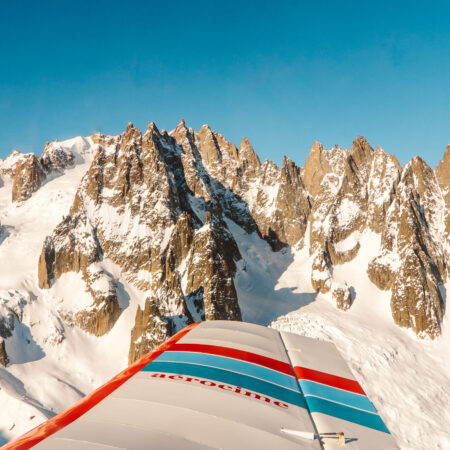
[
  {"x": 257, "y": 396},
  {"x": 176, "y": 377},
  {"x": 189, "y": 379},
  {"x": 224, "y": 387},
  {"x": 281, "y": 404}
]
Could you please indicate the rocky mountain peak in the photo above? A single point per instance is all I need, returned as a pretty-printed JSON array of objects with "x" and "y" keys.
[
  {"x": 361, "y": 154},
  {"x": 180, "y": 128},
  {"x": 384, "y": 177},
  {"x": 443, "y": 177},
  {"x": 249, "y": 160},
  {"x": 143, "y": 179},
  {"x": 412, "y": 263},
  {"x": 443, "y": 169},
  {"x": 152, "y": 128},
  {"x": 361, "y": 145},
  {"x": 208, "y": 146},
  {"x": 245, "y": 143},
  {"x": 316, "y": 167}
]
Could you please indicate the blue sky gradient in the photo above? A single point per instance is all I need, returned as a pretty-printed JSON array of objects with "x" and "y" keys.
[{"x": 281, "y": 73}]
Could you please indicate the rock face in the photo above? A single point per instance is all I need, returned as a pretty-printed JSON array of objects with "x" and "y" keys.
[
  {"x": 262, "y": 198},
  {"x": 28, "y": 178},
  {"x": 153, "y": 234},
  {"x": 11, "y": 313},
  {"x": 443, "y": 178},
  {"x": 384, "y": 178},
  {"x": 56, "y": 159},
  {"x": 339, "y": 209},
  {"x": 342, "y": 296},
  {"x": 159, "y": 206},
  {"x": 28, "y": 172},
  {"x": 3, "y": 356},
  {"x": 365, "y": 189},
  {"x": 6, "y": 328},
  {"x": 412, "y": 262},
  {"x": 149, "y": 331}
]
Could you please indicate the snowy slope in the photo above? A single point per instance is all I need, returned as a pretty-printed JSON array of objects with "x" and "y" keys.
[
  {"x": 44, "y": 378},
  {"x": 407, "y": 379}
]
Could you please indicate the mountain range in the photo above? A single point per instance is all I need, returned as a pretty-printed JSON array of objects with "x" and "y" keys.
[{"x": 111, "y": 244}]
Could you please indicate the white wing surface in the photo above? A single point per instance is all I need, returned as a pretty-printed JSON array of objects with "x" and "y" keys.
[{"x": 221, "y": 384}]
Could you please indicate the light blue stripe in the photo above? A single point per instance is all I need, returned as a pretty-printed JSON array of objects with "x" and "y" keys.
[
  {"x": 337, "y": 395},
  {"x": 231, "y": 378},
  {"x": 234, "y": 365},
  {"x": 363, "y": 418}
]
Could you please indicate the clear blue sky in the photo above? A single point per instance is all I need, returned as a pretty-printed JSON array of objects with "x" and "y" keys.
[{"x": 281, "y": 73}]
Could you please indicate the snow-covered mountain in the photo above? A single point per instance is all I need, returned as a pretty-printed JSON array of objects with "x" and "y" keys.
[{"x": 110, "y": 244}]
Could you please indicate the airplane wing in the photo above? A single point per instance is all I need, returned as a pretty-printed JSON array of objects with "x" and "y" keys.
[{"x": 223, "y": 384}]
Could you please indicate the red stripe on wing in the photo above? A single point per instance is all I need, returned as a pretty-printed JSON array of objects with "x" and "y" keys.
[
  {"x": 242, "y": 355},
  {"x": 330, "y": 380}
]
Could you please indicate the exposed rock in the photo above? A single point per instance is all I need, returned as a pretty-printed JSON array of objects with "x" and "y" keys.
[
  {"x": 209, "y": 147},
  {"x": 8, "y": 316},
  {"x": 142, "y": 179},
  {"x": 46, "y": 263},
  {"x": 416, "y": 300},
  {"x": 342, "y": 296},
  {"x": 339, "y": 256},
  {"x": 28, "y": 177},
  {"x": 228, "y": 176},
  {"x": 443, "y": 177},
  {"x": 339, "y": 209},
  {"x": 248, "y": 159},
  {"x": 4, "y": 360},
  {"x": 340, "y": 204},
  {"x": 322, "y": 216},
  {"x": 56, "y": 159},
  {"x": 209, "y": 256},
  {"x": 197, "y": 179},
  {"x": 293, "y": 206},
  {"x": 321, "y": 275},
  {"x": 211, "y": 266},
  {"x": 412, "y": 232},
  {"x": 149, "y": 331},
  {"x": 262, "y": 200},
  {"x": 29, "y": 172},
  {"x": 6, "y": 324},
  {"x": 382, "y": 270},
  {"x": 384, "y": 177},
  {"x": 316, "y": 167},
  {"x": 105, "y": 310},
  {"x": 361, "y": 154}
]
